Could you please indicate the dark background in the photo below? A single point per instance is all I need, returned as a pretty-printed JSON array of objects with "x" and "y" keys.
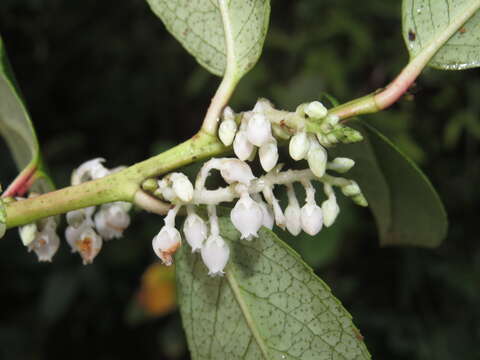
[{"x": 104, "y": 78}]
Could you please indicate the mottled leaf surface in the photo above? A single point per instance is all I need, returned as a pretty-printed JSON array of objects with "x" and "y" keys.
[
  {"x": 270, "y": 305},
  {"x": 407, "y": 209},
  {"x": 198, "y": 25},
  {"x": 423, "y": 20}
]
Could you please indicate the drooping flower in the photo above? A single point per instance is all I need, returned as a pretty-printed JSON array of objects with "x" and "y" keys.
[
  {"x": 195, "y": 230},
  {"x": 215, "y": 254},
  {"x": 112, "y": 219},
  {"x": 268, "y": 154},
  {"x": 247, "y": 217},
  {"x": 259, "y": 130},
  {"x": 85, "y": 241},
  {"x": 166, "y": 243},
  {"x": 311, "y": 218},
  {"x": 299, "y": 146}
]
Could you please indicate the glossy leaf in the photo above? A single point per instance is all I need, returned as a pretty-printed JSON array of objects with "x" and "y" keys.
[
  {"x": 198, "y": 25},
  {"x": 425, "y": 20},
  {"x": 17, "y": 129},
  {"x": 407, "y": 209},
  {"x": 269, "y": 305}
]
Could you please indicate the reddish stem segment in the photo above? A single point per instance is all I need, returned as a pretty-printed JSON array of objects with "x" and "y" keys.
[{"x": 22, "y": 182}]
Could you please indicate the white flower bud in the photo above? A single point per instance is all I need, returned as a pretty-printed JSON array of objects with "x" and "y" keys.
[
  {"x": 89, "y": 170},
  {"x": 341, "y": 164},
  {"x": 242, "y": 146},
  {"x": 299, "y": 145},
  {"x": 316, "y": 110},
  {"x": 360, "y": 200},
  {"x": 330, "y": 210},
  {"x": 267, "y": 212},
  {"x": 28, "y": 233},
  {"x": 269, "y": 155},
  {"x": 195, "y": 231},
  {"x": 166, "y": 243},
  {"x": 293, "y": 219},
  {"x": 351, "y": 189},
  {"x": 112, "y": 220},
  {"x": 332, "y": 120},
  {"x": 259, "y": 129},
  {"x": 227, "y": 131},
  {"x": 262, "y": 106},
  {"x": 311, "y": 219},
  {"x": 46, "y": 243},
  {"x": 215, "y": 254},
  {"x": 317, "y": 158},
  {"x": 76, "y": 218},
  {"x": 182, "y": 186},
  {"x": 85, "y": 241},
  {"x": 234, "y": 170},
  {"x": 247, "y": 217}
]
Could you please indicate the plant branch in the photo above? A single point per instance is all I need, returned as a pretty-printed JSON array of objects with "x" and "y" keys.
[{"x": 384, "y": 98}]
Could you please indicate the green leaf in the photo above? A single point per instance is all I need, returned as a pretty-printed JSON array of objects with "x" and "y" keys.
[
  {"x": 3, "y": 218},
  {"x": 426, "y": 20},
  {"x": 406, "y": 207},
  {"x": 17, "y": 129},
  {"x": 269, "y": 305},
  {"x": 199, "y": 26}
]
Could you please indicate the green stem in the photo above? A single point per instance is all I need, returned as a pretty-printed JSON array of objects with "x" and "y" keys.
[{"x": 121, "y": 186}]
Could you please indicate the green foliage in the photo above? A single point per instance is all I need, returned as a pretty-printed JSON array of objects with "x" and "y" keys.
[
  {"x": 199, "y": 26},
  {"x": 16, "y": 126},
  {"x": 269, "y": 305},
  {"x": 425, "y": 20},
  {"x": 406, "y": 207}
]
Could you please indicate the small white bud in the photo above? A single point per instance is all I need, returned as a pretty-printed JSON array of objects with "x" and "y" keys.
[
  {"x": 316, "y": 110},
  {"x": 330, "y": 210},
  {"x": 247, "y": 217},
  {"x": 89, "y": 170},
  {"x": 182, "y": 186},
  {"x": 262, "y": 106},
  {"x": 85, "y": 241},
  {"x": 293, "y": 219},
  {"x": 360, "y": 200},
  {"x": 46, "y": 243},
  {"x": 215, "y": 254},
  {"x": 228, "y": 127},
  {"x": 299, "y": 145},
  {"x": 242, "y": 147},
  {"x": 28, "y": 233},
  {"x": 351, "y": 189},
  {"x": 112, "y": 220},
  {"x": 317, "y": 158},
  {"x": 267, "y": 212},
  {"x": 166, "y": 243},
  {"x": 259, "y": 129},
  {"x": 269, "y": 155},
  {"x": 341, "y": 164},
  {"x": 195, "y": 230},
  {"x": 311, "y": 219},
  {"x": 76, "y": 218},
  {"x": 235, "y": 170},
  {"x": 332, "y": 120}
]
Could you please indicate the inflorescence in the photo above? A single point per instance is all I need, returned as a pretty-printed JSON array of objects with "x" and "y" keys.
[{"x": 310, "y": 130}]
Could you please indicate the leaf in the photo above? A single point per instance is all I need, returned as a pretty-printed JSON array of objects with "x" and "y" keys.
[
  {"x": 269, "y": 305},
  {"x": 17, "y": 129},
  {"x": 426, "y": 20},
  {"x": 199, "y": 26},
  {"x": 406, "y": 207}
]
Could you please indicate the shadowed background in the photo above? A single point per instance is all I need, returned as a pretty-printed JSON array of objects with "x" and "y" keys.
[{"x": 106, "y": 79}]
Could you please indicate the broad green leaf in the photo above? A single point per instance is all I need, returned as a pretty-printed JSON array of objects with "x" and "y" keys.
[
  {"x": 199, "y": 26},
  {"x": 407, "y": 209},
  {"x": 269, "y": 305},
  {"x": 426, "y": 20},
  {"x": 16, "y": 127}
]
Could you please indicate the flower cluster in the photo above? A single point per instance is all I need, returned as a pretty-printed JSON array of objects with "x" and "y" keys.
[
  {"x": 257, "y": 205},
  {"x": 86, "y": 229}
]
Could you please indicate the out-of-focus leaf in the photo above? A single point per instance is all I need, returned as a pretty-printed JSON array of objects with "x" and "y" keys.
[
  {"x": 269, "y": 305},
  {"x": 156, "y": 296},
  {"x": 199, "y": 26},
  {"x": 407, "y": 209},
  {"x": 16, "y": 127},
  {"x": 425, "y": 20}
]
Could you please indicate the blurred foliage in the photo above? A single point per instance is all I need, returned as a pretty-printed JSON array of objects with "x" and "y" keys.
[{"x": 103, "y": 78}]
